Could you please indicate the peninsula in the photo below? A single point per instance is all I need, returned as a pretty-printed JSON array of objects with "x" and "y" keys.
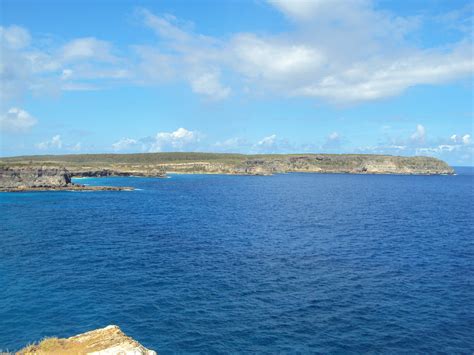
[{"x": 45, "y": 172}]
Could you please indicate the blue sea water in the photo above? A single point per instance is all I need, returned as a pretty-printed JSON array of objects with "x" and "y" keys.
[{"x": 218, "y": 264}]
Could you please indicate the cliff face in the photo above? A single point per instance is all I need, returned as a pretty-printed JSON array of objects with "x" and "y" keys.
[
  {"x": 105, "y": 341},
  {"x": 350, "y": 164},
  {"x": 143, "y": 171},
  {"x": 158, "y": 164},
  {"x": 19, "y": 179},
  {"x": 34, "y": 177}
]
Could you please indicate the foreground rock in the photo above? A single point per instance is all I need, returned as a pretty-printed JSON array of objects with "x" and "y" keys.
[
  {"x": 22, "y": 179},
  {"x": 105, "y": 341}
]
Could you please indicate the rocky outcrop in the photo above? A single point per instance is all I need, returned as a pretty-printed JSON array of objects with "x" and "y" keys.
[
  {"x": 21, "y": 179},
  {"x": 27, "y": 177},
  {"x": 105, "y": 341}
]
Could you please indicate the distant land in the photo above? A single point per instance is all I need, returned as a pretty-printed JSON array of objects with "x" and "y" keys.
[{"x": 46, "y": 172}]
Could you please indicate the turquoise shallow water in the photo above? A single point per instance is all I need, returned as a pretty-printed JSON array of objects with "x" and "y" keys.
[{"x": 215, "y": 264}]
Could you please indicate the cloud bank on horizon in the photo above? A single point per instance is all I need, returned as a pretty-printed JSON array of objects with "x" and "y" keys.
[{"x": 337, "y": 53}]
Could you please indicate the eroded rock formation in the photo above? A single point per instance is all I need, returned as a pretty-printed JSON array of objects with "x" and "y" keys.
[
  {"x": 19, "y": 179},
  {"x": 23, "y": 177}
]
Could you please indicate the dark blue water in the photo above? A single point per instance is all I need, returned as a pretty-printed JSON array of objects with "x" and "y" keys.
[{"x": 287, "y": 263}]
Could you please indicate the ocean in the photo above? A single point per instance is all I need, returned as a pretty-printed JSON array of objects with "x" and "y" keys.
[{"x": 309, "y": 263}]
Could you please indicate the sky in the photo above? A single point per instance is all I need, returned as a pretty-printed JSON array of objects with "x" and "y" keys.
[{"x": 244, "y": 76}]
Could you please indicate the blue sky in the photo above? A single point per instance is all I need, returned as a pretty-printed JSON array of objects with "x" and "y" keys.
[{"x": 256, "y": 76}]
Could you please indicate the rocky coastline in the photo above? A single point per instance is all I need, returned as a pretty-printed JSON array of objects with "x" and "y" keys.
[{"x": 54, "y": 173}]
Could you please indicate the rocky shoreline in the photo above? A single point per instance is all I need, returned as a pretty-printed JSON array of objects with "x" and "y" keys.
[
  {"x": 72, "y": 187},
  {"x": 54, "y": 173}
]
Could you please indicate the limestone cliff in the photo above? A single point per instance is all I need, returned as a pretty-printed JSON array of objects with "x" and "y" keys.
[
  {"x": 158, "y": 164},
  {"x": 31, "y": 178}
]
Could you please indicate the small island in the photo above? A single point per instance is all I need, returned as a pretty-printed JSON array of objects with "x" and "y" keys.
[{"x": 55, "y": 172}]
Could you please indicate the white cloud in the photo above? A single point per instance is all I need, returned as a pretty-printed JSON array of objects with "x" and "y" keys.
[
  {"x": 87, "y": 48},
  {"x": 456, "y": 149},
  {"x": 76, "y": 147},
  {"x": 189, "y": 57},
  {"x": 208, "y": 84},
  {"x": 267, "y": 141},
  {"x": 300, "y": 9},
  {"x": 419, "y": 135},
  {"x": 337, "y": 50},
  {"x": 154, "y": 66},
  {"x": 274, "y": 59},
  {"x": 54, "y": 143},
  {"x": 178, "y": 140},
  {"x": 17, "y": 120},
  {"x": 458, "y": 139},
  {"x": 15, "y": 37},
  {"x": 272, "y": 144},
  {"x": 341, "y": 51},
  {"x": 232, "y": 145},
  {"x": 27, "y": 69},
  {"x": 333, "y": 141},
  {"x": 334, "y": 136},
  {"x": 124, "y": 144}
]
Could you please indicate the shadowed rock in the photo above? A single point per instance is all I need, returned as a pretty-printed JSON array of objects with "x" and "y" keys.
[{"x": 20, "y": 179}]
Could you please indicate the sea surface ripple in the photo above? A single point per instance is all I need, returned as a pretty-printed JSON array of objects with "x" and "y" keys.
[{"x": 291, "y": 263}]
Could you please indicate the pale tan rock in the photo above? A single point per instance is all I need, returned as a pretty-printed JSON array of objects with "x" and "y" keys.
[{"x": 105, "y": 341}]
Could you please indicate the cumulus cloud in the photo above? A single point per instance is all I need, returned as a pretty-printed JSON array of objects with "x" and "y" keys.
[
  {"x": 174, "y": 141},
  {"x": 17, "y": 120},
  {"x": 54, "y": 143},
  {"x": 179, "y": 140}
]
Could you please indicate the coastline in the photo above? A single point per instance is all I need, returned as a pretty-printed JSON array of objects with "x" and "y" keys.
[
  {"x": 55, "y": 173},
  {"x": 73, "y": 188}
]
